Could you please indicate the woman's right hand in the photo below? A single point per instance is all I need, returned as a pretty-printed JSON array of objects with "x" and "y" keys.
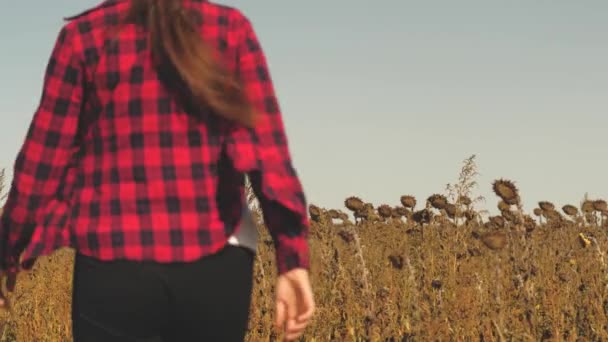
[{"x": 294, "y": 303}]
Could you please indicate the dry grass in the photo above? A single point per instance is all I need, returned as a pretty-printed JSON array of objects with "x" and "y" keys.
[
  {"x": 398, "y": 280},
  {"x": 447, "y": 285}
]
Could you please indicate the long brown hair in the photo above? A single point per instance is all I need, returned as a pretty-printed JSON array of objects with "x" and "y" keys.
[{"x": 177, "y": 46}]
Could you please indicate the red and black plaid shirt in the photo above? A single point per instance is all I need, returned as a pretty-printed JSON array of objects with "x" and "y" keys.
[{"x": 113, "y": 166}]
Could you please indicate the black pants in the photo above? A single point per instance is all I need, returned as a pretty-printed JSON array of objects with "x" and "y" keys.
[{"x": 206, "y": 300}]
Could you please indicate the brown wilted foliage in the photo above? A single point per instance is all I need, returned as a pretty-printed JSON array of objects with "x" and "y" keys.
[
  {"x": 538, "y": 211},
  {"x": 509, "y": 215},
  {"x": 507, "y": 191},
  {"x": 470, "y": 215},
  {"x": 498, "y": 221},
  {"x": 343, "y": 216},
  {"x": 464, "y": 200},
  {"x": 366, "y": 212},
  {"x": 347, "y": 236},
  {"x": 423, "y": 216},
  {"x": 451, "y": 210},
  {"x": 529, "y": 223}
]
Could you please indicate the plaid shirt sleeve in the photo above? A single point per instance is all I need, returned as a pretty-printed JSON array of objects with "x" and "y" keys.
[
  {"x": 48, "y": 147},
  {"x": 264, "y": 154}
]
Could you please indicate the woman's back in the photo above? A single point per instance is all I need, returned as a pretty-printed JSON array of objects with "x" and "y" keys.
[
  {"x": 154, "y": 175},
  {"x": 147, "y": 162}
]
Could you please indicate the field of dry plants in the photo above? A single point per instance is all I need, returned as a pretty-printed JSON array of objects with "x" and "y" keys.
[{"x": 430, "y": 270}]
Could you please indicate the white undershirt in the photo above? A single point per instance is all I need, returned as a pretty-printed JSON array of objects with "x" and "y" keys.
[{"x": 247, "y": 233}]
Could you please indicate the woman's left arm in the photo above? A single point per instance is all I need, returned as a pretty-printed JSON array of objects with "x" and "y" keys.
[{"x": 48, "y": 147}]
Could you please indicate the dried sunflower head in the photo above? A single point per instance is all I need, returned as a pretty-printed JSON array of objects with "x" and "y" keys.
[
  {"x": 353, "y": 203},
  {"x": 408, "y": 201},
  {"x": 333, "y": 213},
  {"x": 502, "y": 206},
  {"x": 546, "y": 206},
  {"x": 552, "y": 215},
  {"x": 438, "y": 201},
  {"x": 395, "y": 212},
  {"x": 385, "y": 211},
  {"x": 315, "y": 212},
  {"x": 587, "y": 207},
  {"x": 570, "y": 210},
  {"x": 494, "y": 240},
  {"x": 403, "y": 211},
  {"x": 506, "y": 190},
  {"x": 600, "y": 205}
]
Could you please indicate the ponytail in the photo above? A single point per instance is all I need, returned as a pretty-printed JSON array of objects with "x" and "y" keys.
[{"x": 177, "y": 46}]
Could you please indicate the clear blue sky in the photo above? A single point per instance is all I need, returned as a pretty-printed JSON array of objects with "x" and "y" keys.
[{"x": 388, "y": 97}]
